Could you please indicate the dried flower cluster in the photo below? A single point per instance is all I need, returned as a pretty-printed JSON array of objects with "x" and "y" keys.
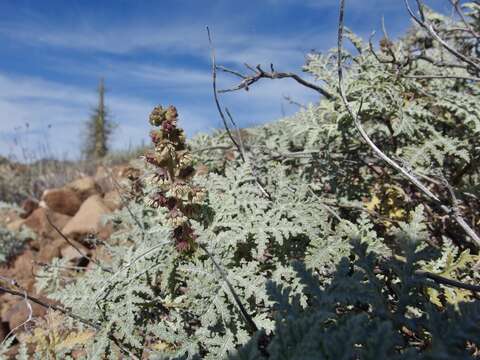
[{"x": 173, "y": 170}]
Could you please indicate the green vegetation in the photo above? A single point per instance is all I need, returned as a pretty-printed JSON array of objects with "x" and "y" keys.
[
  {"x": 99, "y": 128},
  {"x": 304, "y": 244}
]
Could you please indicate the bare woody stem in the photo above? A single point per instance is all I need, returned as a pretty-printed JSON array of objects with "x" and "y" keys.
[
  {"x": 50, "y": 306},
  {"x": 239, "y": 145},
  {"x": 259, "y": 73},
  {"x": 68, "y": 313},
  {"x": 429, "y": 28}
]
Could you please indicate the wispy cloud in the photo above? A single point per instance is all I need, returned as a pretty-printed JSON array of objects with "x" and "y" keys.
[{"x": 146, "y": 61}]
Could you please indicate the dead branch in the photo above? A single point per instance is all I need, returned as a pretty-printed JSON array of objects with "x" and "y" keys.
[
  {"x": 215, "y": 93},
  {"x": 259, "y": 73},
  {"x": 68, "y": 313},
  {"x": 459, "y": 11},
  {"x": 47, "y": 305},
  {"x": 468, "y": 78},
  {"x": 445, "y": 281},
  {"x": 239, "y": 145},
  {"x": 429, "y": 28}
]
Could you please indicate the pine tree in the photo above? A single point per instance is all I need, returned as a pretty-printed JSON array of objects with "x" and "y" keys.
[{"x": 99, "y": 128}]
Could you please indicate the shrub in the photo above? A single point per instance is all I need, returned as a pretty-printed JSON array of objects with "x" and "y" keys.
[{"x": 346, "y": 259}]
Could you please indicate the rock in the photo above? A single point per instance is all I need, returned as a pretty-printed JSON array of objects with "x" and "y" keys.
[
  {"x": 28, "y": 206},
  {"x": 38, "y": 222},
  {"x": 72, "y": 255},
  {"x": 104, "y": 180},
  {"x": 110, "y": 178},
  {"x": 63, "y": 201},
  {"x": 88, "y": 218},
  {"x": 22, "y": 270},
  {"x": 50, "y": 250},
  {"x": 113, "y": 200},
  {"x": 19, "y": 313},
  {"x": 84, "y": 187},
  {"x": 3, "y": 330}
]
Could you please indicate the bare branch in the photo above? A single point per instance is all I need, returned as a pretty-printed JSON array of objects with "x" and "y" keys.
[
  {"x": 458, "y": 10},
  {"x": 29, "y": 318},
  {"x": 422, "y": 22},
  {"x": 259, "y": 73},
  {"x": 215, "y": 92},
  {"x": 50, "y": 306},
  {"x": 293, "y": 102},
  {"x": 239, "y": 146},
  {"x": 441, "y": 77},
  {"x": 230, "y": 71},
  {"x": 68, "y": 313},
  {"x": 445, "y": 281}
]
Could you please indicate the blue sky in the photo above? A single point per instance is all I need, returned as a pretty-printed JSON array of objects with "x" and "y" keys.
[{"x": 149, "y": 52}]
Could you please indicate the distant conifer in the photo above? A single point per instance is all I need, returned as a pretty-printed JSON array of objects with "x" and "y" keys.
[{"x": 99, "y": 128}]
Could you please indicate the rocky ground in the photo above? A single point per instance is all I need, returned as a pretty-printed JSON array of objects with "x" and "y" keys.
[{"x": 77, "y": 210}]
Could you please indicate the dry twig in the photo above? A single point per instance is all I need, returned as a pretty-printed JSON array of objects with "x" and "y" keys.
[
  {"x": 259, "y": 73},
  {"x": 239, "y": 145},
  {"x": 429, "y": 28}
]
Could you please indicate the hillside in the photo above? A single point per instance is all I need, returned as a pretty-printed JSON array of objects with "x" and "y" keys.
[{"x": 347, "y": 231}]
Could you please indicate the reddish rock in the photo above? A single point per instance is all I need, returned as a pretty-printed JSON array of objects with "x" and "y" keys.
[
  {"x": 84, "y": 187},
  {"x": 3, "y": 330},
  {"x": 88, "y": 219},
  {"x": 113, "y": 200},
  {"x": 20, "y": 312},
  {"x": 28, "y": 206},
  {"x": 22, "y": 270},
  {"x": 71, "y": 253},
  {"x": 50, "y": 250},
  {"x": 63, "y": 201},
  {"x": 38, "y": 222}
]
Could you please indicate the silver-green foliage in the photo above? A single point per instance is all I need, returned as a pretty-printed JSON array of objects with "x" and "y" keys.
[
  {"x": 12, "y": 243},
  {"x": 290, "y": 259}
]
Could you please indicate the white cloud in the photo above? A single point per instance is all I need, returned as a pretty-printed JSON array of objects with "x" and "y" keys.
[
  {"x": 39, "y": 103},
  {"x": 29, "y": 105}
]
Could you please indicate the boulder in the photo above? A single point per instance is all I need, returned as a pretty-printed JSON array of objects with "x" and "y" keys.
[
  {"x": 38, "y": 222},
  {"x": 50, "y": 250},
  {"x": 104, "y": 180},
  {"x": 72, "y": 255},
  {"x": 20, "y": 312},
  {"x": 28, "y": 206},
  {"x": 113, "y": 200},
  {"x": 3, "y": 330},
  {"x": 88, "y": 219},
  {"x": 84, "y": 187},
  {"x": 63, "y": 201},
  {"x": 110, "y": 178},
  {"x": 22, "y": 271}
]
